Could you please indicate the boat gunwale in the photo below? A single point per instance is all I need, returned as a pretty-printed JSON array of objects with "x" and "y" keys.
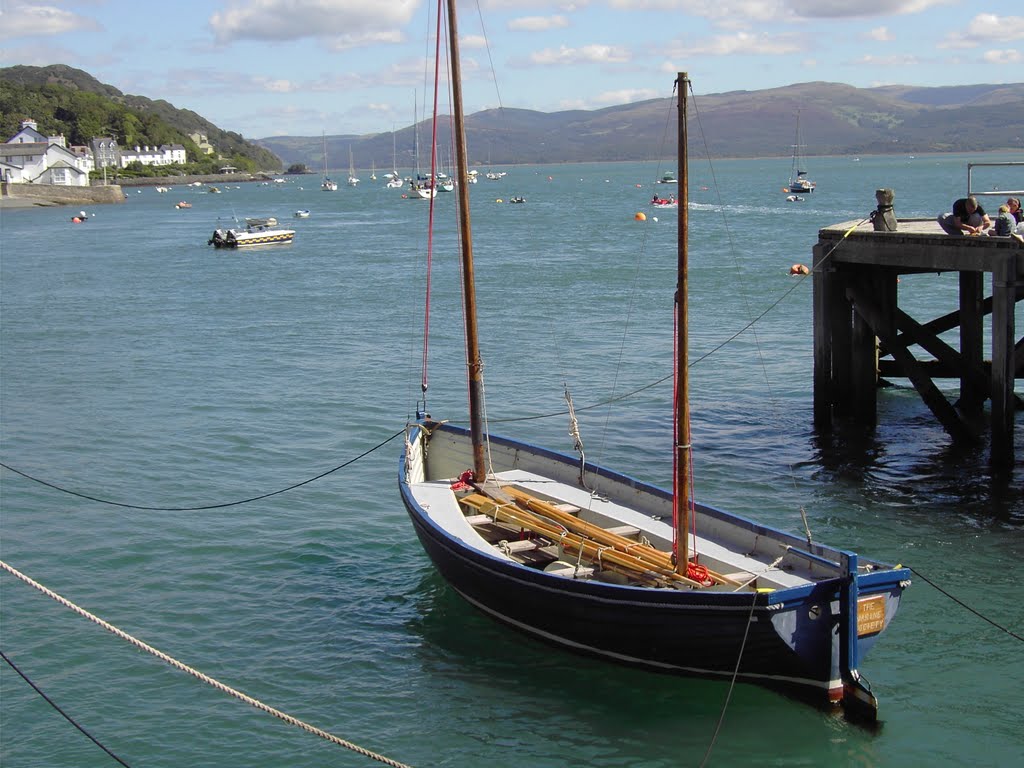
[{"x": 885, "y": 578}]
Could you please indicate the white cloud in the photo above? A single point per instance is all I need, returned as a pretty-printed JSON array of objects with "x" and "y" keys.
[
  {"x": 566, "y": 6},
  {"x": 986, "y": 28},
  {"x": 881, "y": 34},
  {"x": 1003, "y": 57},
  {"x": 472, "y": 41},
  {"x": 538, "y": 23},
  {"x": 343, "y": 20},
  {"x": 279, "y": 86},
  {"x": 845, "y": 9},
  {"x": 21, "y": 19},
  {"x": 724, "y": 12},
  {"x": 626, "y": 96},
  {"x": 740, "y": 43},
  {"x": 596, "y": 53},
  {"x": 896, "y": 60},
  {"x": 733, "y": 12},
  {"x": 348, "y": 42}
]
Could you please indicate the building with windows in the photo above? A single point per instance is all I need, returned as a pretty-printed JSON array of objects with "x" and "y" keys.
[
  {"x": 29, "y": 157},
  {"x": 165, "y": 154},
  {"x": 203, "y": 142},
  {"x": 105, "y": 152}
]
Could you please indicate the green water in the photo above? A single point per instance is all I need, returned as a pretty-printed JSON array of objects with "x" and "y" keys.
[{"x": 143, "y": 367}]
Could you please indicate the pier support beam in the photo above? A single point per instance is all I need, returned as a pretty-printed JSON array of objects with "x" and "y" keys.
[{"x": 858, "y": 325}]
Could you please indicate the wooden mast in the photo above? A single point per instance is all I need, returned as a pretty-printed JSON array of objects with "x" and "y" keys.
[
  {"x": 473, "y": 362},
  {"x": 681, "y": 481}
]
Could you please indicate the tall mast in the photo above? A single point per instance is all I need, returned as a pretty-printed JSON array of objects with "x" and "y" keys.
[
  {"x": 681, "y": 481},
  {"x": 473, "y": 362}
]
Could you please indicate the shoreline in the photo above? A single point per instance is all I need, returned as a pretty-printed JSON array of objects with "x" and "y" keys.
[{"x": 47, "y": 196}]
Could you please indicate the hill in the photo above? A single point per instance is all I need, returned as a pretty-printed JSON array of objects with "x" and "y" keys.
[
  {"x": 68, "y": 101},
  {"x": 835, "y": 119}
]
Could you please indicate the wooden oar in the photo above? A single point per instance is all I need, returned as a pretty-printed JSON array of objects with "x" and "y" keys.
[
  {"x": 645, "y": 552},
  {"x": 575, "y": 544}
]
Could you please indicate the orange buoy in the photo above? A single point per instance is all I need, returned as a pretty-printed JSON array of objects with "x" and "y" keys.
[{"x": 640, "y": 216}]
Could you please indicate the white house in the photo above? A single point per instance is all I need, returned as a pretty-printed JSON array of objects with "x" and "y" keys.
[
  {"x": 29, "y": 157},
  {"x": 29, "y": 134},
  {"x": 165, "y": 154},
  {"x": 83, "y": 157},
  {"x": 40, "y": 163}
]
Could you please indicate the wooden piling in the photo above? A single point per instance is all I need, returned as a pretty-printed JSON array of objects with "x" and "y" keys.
[{"x": 862, "y": 335}]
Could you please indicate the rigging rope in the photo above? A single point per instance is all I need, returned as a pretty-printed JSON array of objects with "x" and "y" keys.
[
  {"x": 430, "y": 216},
  {"x": 199, "y": 675}
]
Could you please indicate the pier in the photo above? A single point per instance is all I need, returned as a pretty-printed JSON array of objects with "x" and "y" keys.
[{"x": 864, "y": 335}]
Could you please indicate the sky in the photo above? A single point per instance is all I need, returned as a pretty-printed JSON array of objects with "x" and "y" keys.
[{"x": 305, "y": 67}]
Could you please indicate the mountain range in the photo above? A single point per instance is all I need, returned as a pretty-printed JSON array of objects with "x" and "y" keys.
[{"x": 834, "y": 119}]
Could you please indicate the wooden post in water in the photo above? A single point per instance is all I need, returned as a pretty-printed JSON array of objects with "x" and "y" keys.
[
  {"x": 972, "y": 394},
  {"x": 1006, "y": 288}
]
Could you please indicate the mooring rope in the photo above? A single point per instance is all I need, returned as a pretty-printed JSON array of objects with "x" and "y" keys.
[
  {"x": 60, "y": 711},
  {"x": 732, "y": 683},
  {"x": 201, "y": 676},
  {"x": 964, "y": 605},
  {"x": 204, "y": 507}
]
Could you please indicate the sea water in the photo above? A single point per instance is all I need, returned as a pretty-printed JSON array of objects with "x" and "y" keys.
[{"x": 215, "y": 439}]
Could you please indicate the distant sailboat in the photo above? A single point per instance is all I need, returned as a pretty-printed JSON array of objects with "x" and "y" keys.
[
  {"x": 798, "y": 181},
  {"x": 327, "y": 185},
  {"x": 394, "y": 180},
  {"x": 353, "y": 180}
]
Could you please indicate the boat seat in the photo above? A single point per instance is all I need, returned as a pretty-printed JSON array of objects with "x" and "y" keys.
[
  {"x": 624, "y": 530},
  {"x": 479, "y": 519},
  {"x": 519, "y": 546}
]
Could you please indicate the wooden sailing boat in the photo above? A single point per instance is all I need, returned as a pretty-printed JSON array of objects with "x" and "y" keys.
[
  {"x": 616, "y": 572},
  {"x": 798, "y": 181}
]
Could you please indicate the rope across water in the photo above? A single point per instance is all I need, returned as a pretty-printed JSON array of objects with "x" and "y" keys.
[{"x": 201, "y": 676}]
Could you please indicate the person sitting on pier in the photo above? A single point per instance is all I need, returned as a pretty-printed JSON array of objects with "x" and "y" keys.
[
  {"x": 967, "y": 218},
  {"x": 1004, "y": 223},
  {"x": 1013, "y": 203}
]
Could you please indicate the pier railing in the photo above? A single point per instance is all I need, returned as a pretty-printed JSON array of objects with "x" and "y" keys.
[{"x": 972, "y": 192}]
